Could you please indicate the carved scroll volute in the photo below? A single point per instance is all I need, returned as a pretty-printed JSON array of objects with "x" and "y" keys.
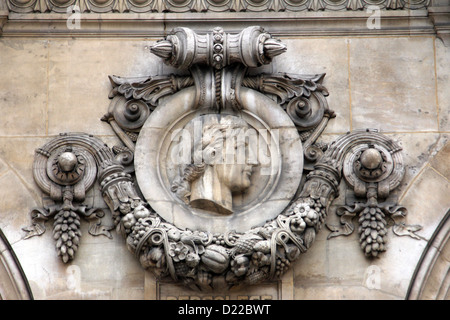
[
  {"x": 66, "y": 168},
  {"x": 304, "y": 99}
]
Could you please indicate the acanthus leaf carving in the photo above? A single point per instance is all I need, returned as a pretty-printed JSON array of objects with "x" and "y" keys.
[{"x": 150, "y": 90}]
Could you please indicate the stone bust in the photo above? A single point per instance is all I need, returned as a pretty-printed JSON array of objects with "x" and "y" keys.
[{"x": 221, "y": 164}]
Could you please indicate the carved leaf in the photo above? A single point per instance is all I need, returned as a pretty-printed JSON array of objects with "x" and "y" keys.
[
  {"x": 346, "y": 227},
  {"x": 286, "y": 86},
  {"x": 316, "y": 5},
  {"x": 38, "y": 217},
  {"x": 402, "y": 229},
  {"x": 94, "y": 216},
  {"x": 150, "y": 89}
]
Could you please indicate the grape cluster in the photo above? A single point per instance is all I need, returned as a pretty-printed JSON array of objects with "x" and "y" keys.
[
  {"x": 139, "y": 230},
  {"x": 66, "y": 232},
  {"x": 372, "y": 231},
  {"x": 281, "y": 266},
  {"x": 218, "y": 239}
]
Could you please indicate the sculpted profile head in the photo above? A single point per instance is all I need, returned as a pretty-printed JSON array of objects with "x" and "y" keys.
[{"x": 221, "y": 164}]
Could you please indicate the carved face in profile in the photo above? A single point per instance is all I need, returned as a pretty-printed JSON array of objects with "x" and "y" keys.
[{"x": 221, "y": 164}]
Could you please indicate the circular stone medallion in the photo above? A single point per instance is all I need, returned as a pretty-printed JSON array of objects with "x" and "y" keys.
[{"x": 217, "y": 172}]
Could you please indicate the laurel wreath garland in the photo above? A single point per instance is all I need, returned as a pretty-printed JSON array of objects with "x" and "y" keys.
[{"x": 203, "y": 260}]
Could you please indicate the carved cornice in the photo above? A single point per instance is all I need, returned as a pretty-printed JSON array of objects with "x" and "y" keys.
[
  {"x": 140, "y": 25},
  {"x": 141, "y": 6},
  {"x": 152, "y": 18},
  {"x": 440, "y": 15}
]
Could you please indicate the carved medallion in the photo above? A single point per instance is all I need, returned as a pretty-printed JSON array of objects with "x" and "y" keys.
[
  {"x": 220, "y": 180},
  {"x": 221, "y": 171}
]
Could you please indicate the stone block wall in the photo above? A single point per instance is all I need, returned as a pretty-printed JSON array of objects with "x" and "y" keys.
[{"x": 397, "y": 84}]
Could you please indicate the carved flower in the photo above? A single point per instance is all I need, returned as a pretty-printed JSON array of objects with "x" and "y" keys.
[
  {"x": 178, "y": 251},
  {"x": 302, "y": 209},
  {"x": 239, "y": 265},
  {"x": 304, "y": 213}
]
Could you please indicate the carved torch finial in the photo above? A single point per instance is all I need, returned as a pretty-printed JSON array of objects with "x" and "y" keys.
[
  {"x": 273, "y": 47},
  {"x": 252, "y": 47},
  {"x": 162, "y": 49}
]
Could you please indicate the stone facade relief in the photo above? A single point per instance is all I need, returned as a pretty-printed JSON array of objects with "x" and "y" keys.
[
  {"x": 373, "y": 168},
  {"x": 140, "y": 6},
  {"x": 65, "y": 169},
  {"x": 208, "y": 179},
  {"x": 220, "y": 179}
]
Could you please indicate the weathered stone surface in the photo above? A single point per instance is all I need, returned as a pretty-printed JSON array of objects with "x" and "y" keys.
[
  {"x": 311, "y": 56},
  {"x": 418, "y": 150},
  {"x": 76, "y": 102},
  {"x": 427, "y": 200},
  {"x": 23, "y": 94},
  {"x": 393, "y": 76},
  {"x": 443, "y": 83},
  {"x": 337, "y": 291},
  {"x": 15, "y": 199}
]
